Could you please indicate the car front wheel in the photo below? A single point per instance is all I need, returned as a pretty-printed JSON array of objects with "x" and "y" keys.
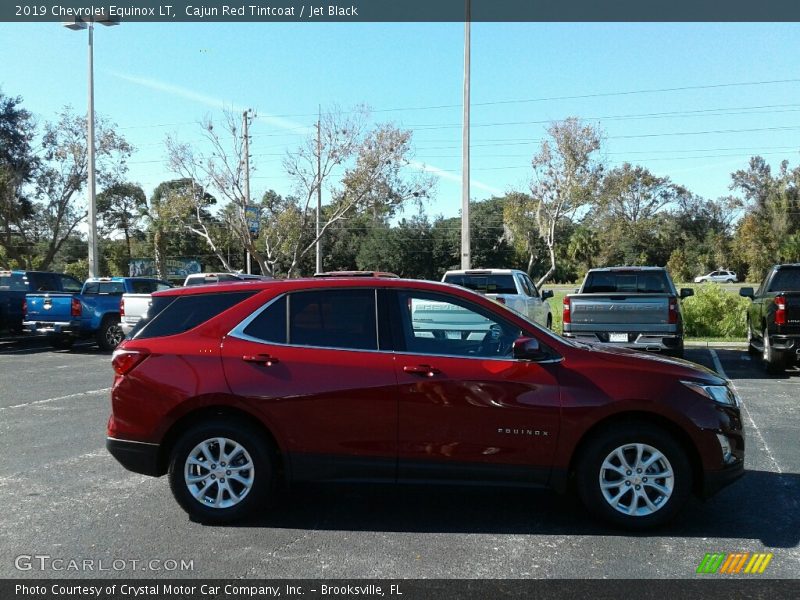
[
  {"x": 220, "y": 471},
  {"x": 635, "y": 476}
]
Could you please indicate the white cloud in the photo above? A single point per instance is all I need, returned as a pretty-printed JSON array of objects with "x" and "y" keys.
[{"x": 442, "y": 174}]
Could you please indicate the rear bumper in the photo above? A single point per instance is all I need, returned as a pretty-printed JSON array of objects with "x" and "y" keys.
[
  {"x": 714, "y": 481},
  {"x": 652, "y": 342},
  {"x": 139, "y": 457},
  {"x": 51, "y": 327},
  {"x": 785, "y": 344}
]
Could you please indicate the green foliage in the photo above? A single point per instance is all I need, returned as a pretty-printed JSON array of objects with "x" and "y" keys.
[
  {"x": 78, "y": 269},
  {"x": 678, "y": 266},
  {"x": 713, "y": 312}
]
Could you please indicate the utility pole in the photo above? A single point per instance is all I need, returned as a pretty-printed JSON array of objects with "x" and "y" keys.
[
  {"x": 246, "y": 133},
  {"x": 465, "y": 245},
  {"x": 319, "y": 189}
]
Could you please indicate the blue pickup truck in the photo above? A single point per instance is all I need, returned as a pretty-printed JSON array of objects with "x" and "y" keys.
[
  {"x": 93, "y": 313},
  {"x": 15, "y": 284}
]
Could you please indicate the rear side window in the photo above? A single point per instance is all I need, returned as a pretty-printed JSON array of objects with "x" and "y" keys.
[
  {"x": 14, "y": 282},
  {"x": 485, "y": 284},
  {"x": 170, "y": 315},
  {"x": 786, "y": 280},
  {"x": 270, "y": 324},
  {"x": 606, "y": 282},
  {"x": 333, "y": 319}
]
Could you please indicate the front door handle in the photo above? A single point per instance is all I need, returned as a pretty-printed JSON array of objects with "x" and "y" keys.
[
  {"x": 424, "y": 370},
  {"x": 261, "y": 359}
]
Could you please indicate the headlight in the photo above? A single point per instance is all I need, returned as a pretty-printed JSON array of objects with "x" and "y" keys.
[{"x": 722, "y": 394}]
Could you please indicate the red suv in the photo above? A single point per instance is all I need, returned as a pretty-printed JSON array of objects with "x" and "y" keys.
[{"x": 235, "y": 388}]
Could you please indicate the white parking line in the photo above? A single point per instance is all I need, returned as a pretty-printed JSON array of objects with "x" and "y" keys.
[
  {"x": 721, "y": 371},
  {"x": 717, "y": 364},
  {"x": 67, "y": 397}
]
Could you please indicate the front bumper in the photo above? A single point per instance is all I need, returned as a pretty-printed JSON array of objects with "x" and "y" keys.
[{"x": 139, "y": 457}]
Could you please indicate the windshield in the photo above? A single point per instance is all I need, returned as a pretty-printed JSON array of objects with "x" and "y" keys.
[{"x": 484, "y": 284}]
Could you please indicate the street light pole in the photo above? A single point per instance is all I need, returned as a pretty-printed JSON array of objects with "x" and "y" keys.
[
  {"x": 93, "y": 271},
  {"x": 466, "y": 258},
  {"x": 76, "y": 25}
]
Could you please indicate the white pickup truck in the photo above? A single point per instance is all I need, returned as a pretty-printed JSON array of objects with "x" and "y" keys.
[{"x": 510, "y": 287}]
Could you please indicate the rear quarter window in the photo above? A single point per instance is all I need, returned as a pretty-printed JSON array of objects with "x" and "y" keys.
[{"x": 171, "y": 315}]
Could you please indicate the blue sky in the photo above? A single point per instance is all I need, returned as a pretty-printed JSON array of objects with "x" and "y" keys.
[{"x": 154, "y": 79}]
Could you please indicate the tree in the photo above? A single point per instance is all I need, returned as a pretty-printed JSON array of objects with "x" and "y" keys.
[
  {"x": 121, "y": 206},
  {"x": 565, "y": 178},
  {"x": 375, "y": 180},
  {"x": 18, "y": 165}
]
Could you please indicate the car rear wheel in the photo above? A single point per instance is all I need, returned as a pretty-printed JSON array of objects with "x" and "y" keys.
[
  {"x": 635, "y": 476},
  {"x": 220, "y": 471},
  {"x": 774, "y": 362},
  {"x": 110, "y": 334}
]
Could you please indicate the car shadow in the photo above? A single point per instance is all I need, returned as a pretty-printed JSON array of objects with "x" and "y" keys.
[
  {"x": 39, "y": 345},
  {"x": 738, "y": 512},
  {"x": 739, "y": 364}
]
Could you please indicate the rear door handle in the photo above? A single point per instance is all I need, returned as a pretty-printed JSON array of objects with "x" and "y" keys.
[
  {"x": 262, "y": 359},
  {"x": 424, "y": 370}
]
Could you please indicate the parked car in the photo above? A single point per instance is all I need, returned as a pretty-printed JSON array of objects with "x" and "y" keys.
[
  {"x": 206, "y": 278},
  {"x": 236, "y": 388},
  {"x": 720, "y": 276},
  {"x": 15, "y": 284},
  {"x": 633, "y": 307},
  {"x": 93, "y": 313},
  {"x": 773, "y": 319},
  {"x": 507, "y": 286},
  {"x": 134, "y": 304}
]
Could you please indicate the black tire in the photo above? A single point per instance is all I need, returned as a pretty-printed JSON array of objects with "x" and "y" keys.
[
  {"x": 62, "y": 342},
  {"x": 774, "y": 362},
  {"x": 256, "y": 453},
  {"x": 623, "y": 438},
  {"x": 110, "y": 333}
]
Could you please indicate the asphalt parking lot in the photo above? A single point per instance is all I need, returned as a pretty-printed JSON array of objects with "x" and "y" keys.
[{"x": 65, "y": 497}]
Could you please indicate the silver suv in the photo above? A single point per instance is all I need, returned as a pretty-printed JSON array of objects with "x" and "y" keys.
[{"x": 719, "y": 276}]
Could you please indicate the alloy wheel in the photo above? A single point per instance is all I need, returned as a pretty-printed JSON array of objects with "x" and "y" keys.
[
  {"x": 636, "y": 479},
  {"x": 219, "y": 472}
]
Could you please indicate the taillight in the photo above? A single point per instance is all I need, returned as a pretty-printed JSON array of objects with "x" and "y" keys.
[
  {"x": 567, "y": 316},
  {"x": 780, "y": 310},
  {"x": 75, "y": 308},
  {"x": 124, "y": 361},
  {"x": 24, "y": 309},
  {"x": 122, "y": 307},
  {"x": 673, "y": 310}
]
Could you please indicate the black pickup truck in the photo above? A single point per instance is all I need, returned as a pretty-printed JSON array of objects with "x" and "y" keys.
[{"x": 773, "y": 319}]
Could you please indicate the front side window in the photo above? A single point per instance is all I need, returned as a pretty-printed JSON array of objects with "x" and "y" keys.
[
  {"x": 333, "y": 319},
  {"x": 440, "y": 325}
]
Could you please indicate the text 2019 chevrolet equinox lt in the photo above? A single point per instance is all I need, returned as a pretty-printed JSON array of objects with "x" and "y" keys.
[{"x": 230, "y": 389}]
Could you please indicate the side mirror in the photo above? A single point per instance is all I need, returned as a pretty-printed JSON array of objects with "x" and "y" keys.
[
  {"x": 547, "y": 294},
  {"x": 686, "y": 292},
  {"x": 747, "y": 292},
  {"x": 526, "y": 348}
]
